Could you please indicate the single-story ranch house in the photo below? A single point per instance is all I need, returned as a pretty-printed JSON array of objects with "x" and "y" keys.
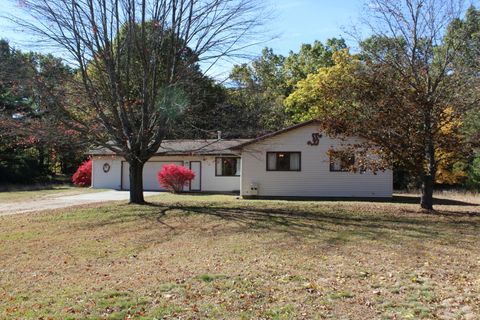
[{"x": 293, "y": 162}]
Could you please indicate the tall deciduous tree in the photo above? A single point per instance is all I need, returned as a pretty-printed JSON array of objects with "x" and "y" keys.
[
  {"x": 465, "y": 33},
  {"x": 310, "y": 58},
  {"x": 260, "y": 88},
  {"x": 419, "y": 53},
  {"x": 134, "y": 59},
  {"x": 404, "y": 93},
  {"x": 34, "y": 145}
]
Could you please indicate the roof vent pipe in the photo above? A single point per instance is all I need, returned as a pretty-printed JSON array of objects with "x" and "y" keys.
[{"x": 219, "y": 135}]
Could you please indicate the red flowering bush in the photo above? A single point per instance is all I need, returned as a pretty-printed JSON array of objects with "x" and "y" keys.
[
  {"x": 174, "y": 178},
  {"x": 83, "y": 176}
]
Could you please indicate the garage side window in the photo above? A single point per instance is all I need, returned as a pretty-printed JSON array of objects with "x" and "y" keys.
[
  {"x": 227, "y": 166},
  {"x": 283, "y": 161},
  {"x": 341, "y": 162}
]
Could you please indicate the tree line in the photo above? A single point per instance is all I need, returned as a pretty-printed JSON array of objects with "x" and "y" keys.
[
  {"x": 134, "y": 79},
  {"x": 250, "y": 104},
  {"x": 35, "y": 144}
]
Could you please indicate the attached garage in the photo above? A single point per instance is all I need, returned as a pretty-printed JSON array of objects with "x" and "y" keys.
[
  {"x": 111, "y": 171},
  {"x": 150, "y": 182}
]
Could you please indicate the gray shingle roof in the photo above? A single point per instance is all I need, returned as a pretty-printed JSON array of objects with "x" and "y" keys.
[{"x": 188, "y": 147}]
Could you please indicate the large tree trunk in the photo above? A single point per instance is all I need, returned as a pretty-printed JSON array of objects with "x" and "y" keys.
[
  {"x": 426, "y": 201},
  {"x": 428, "y": 179},
  {"x": 136, "y": 182}
]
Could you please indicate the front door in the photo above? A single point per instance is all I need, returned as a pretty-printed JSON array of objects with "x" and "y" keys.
[{"x": 196, "y": 183}]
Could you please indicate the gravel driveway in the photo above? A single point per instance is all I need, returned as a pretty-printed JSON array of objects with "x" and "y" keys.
[{"x": 65, "y": 201}]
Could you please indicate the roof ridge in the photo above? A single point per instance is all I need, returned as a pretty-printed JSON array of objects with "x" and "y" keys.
[
  {"x": 186, "y": 146},
  {"x": 234, "y": 139},
  {"x": 275, "y": 133}
]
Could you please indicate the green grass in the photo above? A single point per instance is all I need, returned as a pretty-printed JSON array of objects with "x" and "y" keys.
[
  {"x": 210, "y": 277},
  {"x": 340, "y": 295},
  {"x": 215, "y": 256}
]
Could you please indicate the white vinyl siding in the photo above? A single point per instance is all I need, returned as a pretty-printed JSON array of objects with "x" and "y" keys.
[
  {"x": 209, "y": 181},
  {"x": 315, "y": 178},
  {"x": 106, "y": 180}
]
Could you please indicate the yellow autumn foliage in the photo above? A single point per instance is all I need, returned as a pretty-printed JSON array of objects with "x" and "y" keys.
[
  {"x": 450, "y": 168},
  {"x": 314, "y": 94}
]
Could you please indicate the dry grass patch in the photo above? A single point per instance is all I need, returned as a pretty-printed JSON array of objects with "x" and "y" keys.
[
  {"x": 54, "y": 191},
  {"x": 192, "y": 257}
]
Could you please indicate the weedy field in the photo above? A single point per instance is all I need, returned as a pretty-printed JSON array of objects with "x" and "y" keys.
[{"x": 199, "y": 256}]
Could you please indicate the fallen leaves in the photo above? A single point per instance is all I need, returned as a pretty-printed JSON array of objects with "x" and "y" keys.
[{"x": 240, "y": 270}]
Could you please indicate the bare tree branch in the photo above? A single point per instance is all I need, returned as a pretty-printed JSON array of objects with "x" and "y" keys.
[{"x": 136, "y": 59}]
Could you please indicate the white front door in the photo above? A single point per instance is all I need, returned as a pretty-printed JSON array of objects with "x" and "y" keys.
[
  {"x": 150, "y": 171},
  {"x": 196, "y": 183}
]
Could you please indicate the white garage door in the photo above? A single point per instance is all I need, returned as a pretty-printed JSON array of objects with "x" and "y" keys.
[{"x": 150, "y": 171}]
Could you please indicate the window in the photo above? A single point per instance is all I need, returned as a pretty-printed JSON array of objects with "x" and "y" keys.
[
  {"x": 283, "y": 161},
  {"x": 227, "y": 166},
  {"x": 341, "y": 162}
]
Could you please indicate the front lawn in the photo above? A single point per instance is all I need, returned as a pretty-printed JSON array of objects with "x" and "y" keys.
[
  {"x": 54, "y": 191},
  {"x": 195, "y": 257}
]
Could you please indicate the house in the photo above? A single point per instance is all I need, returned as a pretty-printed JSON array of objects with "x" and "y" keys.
[
  {"x": 292, "y": 162},
  {"x": 216, "y": 165},
  {"x": 296, "y": 162}
]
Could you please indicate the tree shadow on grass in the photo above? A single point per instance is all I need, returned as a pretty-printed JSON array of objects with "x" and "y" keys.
[
  {"x": 312, "y": 224},
  {"x": 401, "y": 199},
  {"x": 436, "y": 201},
  {"x": 340, "y": 224}
]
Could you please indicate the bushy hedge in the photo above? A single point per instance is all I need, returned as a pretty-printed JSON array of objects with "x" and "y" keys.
[
  {"x": 174, "y": 178},
  {"x": 83, "y": 176}
]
